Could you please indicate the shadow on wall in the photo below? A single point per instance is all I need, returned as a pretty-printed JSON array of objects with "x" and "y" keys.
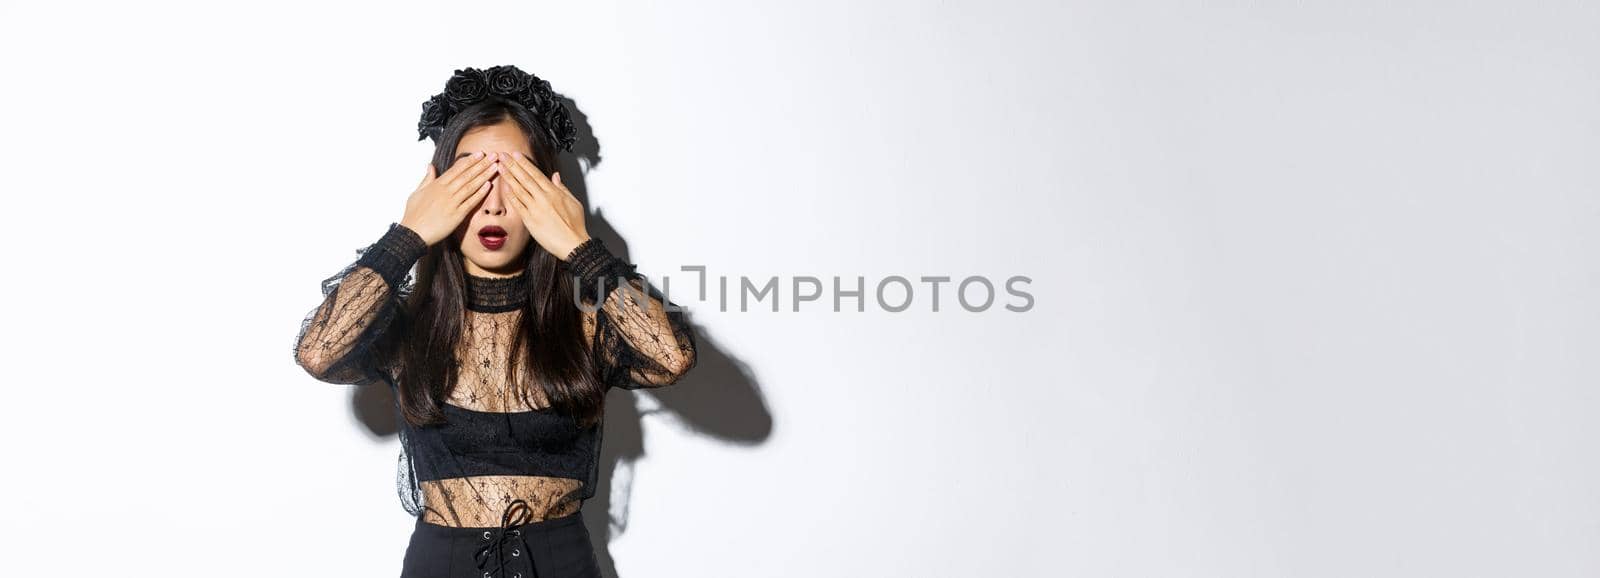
[{"x": 718, "y": 398}]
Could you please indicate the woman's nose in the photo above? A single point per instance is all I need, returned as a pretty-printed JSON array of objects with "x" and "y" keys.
[{"x": 492, "y": 203}]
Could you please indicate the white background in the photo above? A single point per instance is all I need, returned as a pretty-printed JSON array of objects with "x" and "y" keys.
[{"x": 1315, "y": 284}]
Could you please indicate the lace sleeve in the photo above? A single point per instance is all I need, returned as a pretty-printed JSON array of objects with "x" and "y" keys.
[
  {"x": 639, "y": 344},
  {"x": 338, "y": 341}
]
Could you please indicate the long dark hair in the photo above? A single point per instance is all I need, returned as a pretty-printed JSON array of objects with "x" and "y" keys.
[{"x": 432, "y": 319}]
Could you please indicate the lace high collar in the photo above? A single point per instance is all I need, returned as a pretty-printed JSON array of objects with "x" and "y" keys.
[{"x": 497, "y": 294}]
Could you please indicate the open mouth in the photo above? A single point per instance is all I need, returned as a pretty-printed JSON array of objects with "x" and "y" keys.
[{"x": 492, "y": 237}]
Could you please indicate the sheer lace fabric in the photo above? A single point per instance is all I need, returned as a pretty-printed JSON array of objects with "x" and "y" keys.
[{"x": 462, "y": 479}]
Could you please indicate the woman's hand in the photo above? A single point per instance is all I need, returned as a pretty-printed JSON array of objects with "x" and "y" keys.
[
  {"x": 440, "y": 203},
  {"x": 550, "y": 212}
]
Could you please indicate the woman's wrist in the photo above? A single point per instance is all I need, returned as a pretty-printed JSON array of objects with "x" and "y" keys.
[
  {"x": 393, "y": 255},
  {"x": 595, "y": 269}
]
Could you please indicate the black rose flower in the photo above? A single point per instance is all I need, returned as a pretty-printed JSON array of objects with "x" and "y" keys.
[
  {"x": 507, "y": 81},
  {"x": 467, "y": 86},
  {"x": 434, "y": 114},
  {"x": 534, "y": 100},
  {"x": 569, "y": 133},
  {"x": 559, "y": 126}
]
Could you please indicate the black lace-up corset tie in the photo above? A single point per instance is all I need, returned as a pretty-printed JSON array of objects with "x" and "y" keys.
[{"x": 505, "y": 540}]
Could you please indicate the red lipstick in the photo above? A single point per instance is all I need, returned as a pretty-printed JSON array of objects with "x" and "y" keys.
[{"x": 492, "y": 237}]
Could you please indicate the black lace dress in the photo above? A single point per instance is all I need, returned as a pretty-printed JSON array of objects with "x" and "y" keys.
[{"x": 498, "y": 449}]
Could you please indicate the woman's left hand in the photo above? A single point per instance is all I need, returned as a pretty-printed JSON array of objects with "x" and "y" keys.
[{"x": 550, "y": 212}]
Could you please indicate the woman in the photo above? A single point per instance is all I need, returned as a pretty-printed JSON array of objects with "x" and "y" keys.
[{"x": 501, "y": 362}]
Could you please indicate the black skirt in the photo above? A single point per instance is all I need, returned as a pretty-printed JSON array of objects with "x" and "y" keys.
[{"x": 553, "y": 548}]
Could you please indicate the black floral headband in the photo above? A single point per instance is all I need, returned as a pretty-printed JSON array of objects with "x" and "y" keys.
[{"x": 470, "y": 86}]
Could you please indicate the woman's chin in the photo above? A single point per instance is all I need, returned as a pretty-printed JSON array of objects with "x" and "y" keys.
[{"x": 501, "y": 260}]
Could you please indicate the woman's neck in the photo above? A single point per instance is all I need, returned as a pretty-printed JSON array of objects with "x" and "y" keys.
[{"x": 491, "y": 293}]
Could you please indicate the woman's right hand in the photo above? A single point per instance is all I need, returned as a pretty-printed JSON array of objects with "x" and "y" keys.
[{"x": 439, "y": 203}]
